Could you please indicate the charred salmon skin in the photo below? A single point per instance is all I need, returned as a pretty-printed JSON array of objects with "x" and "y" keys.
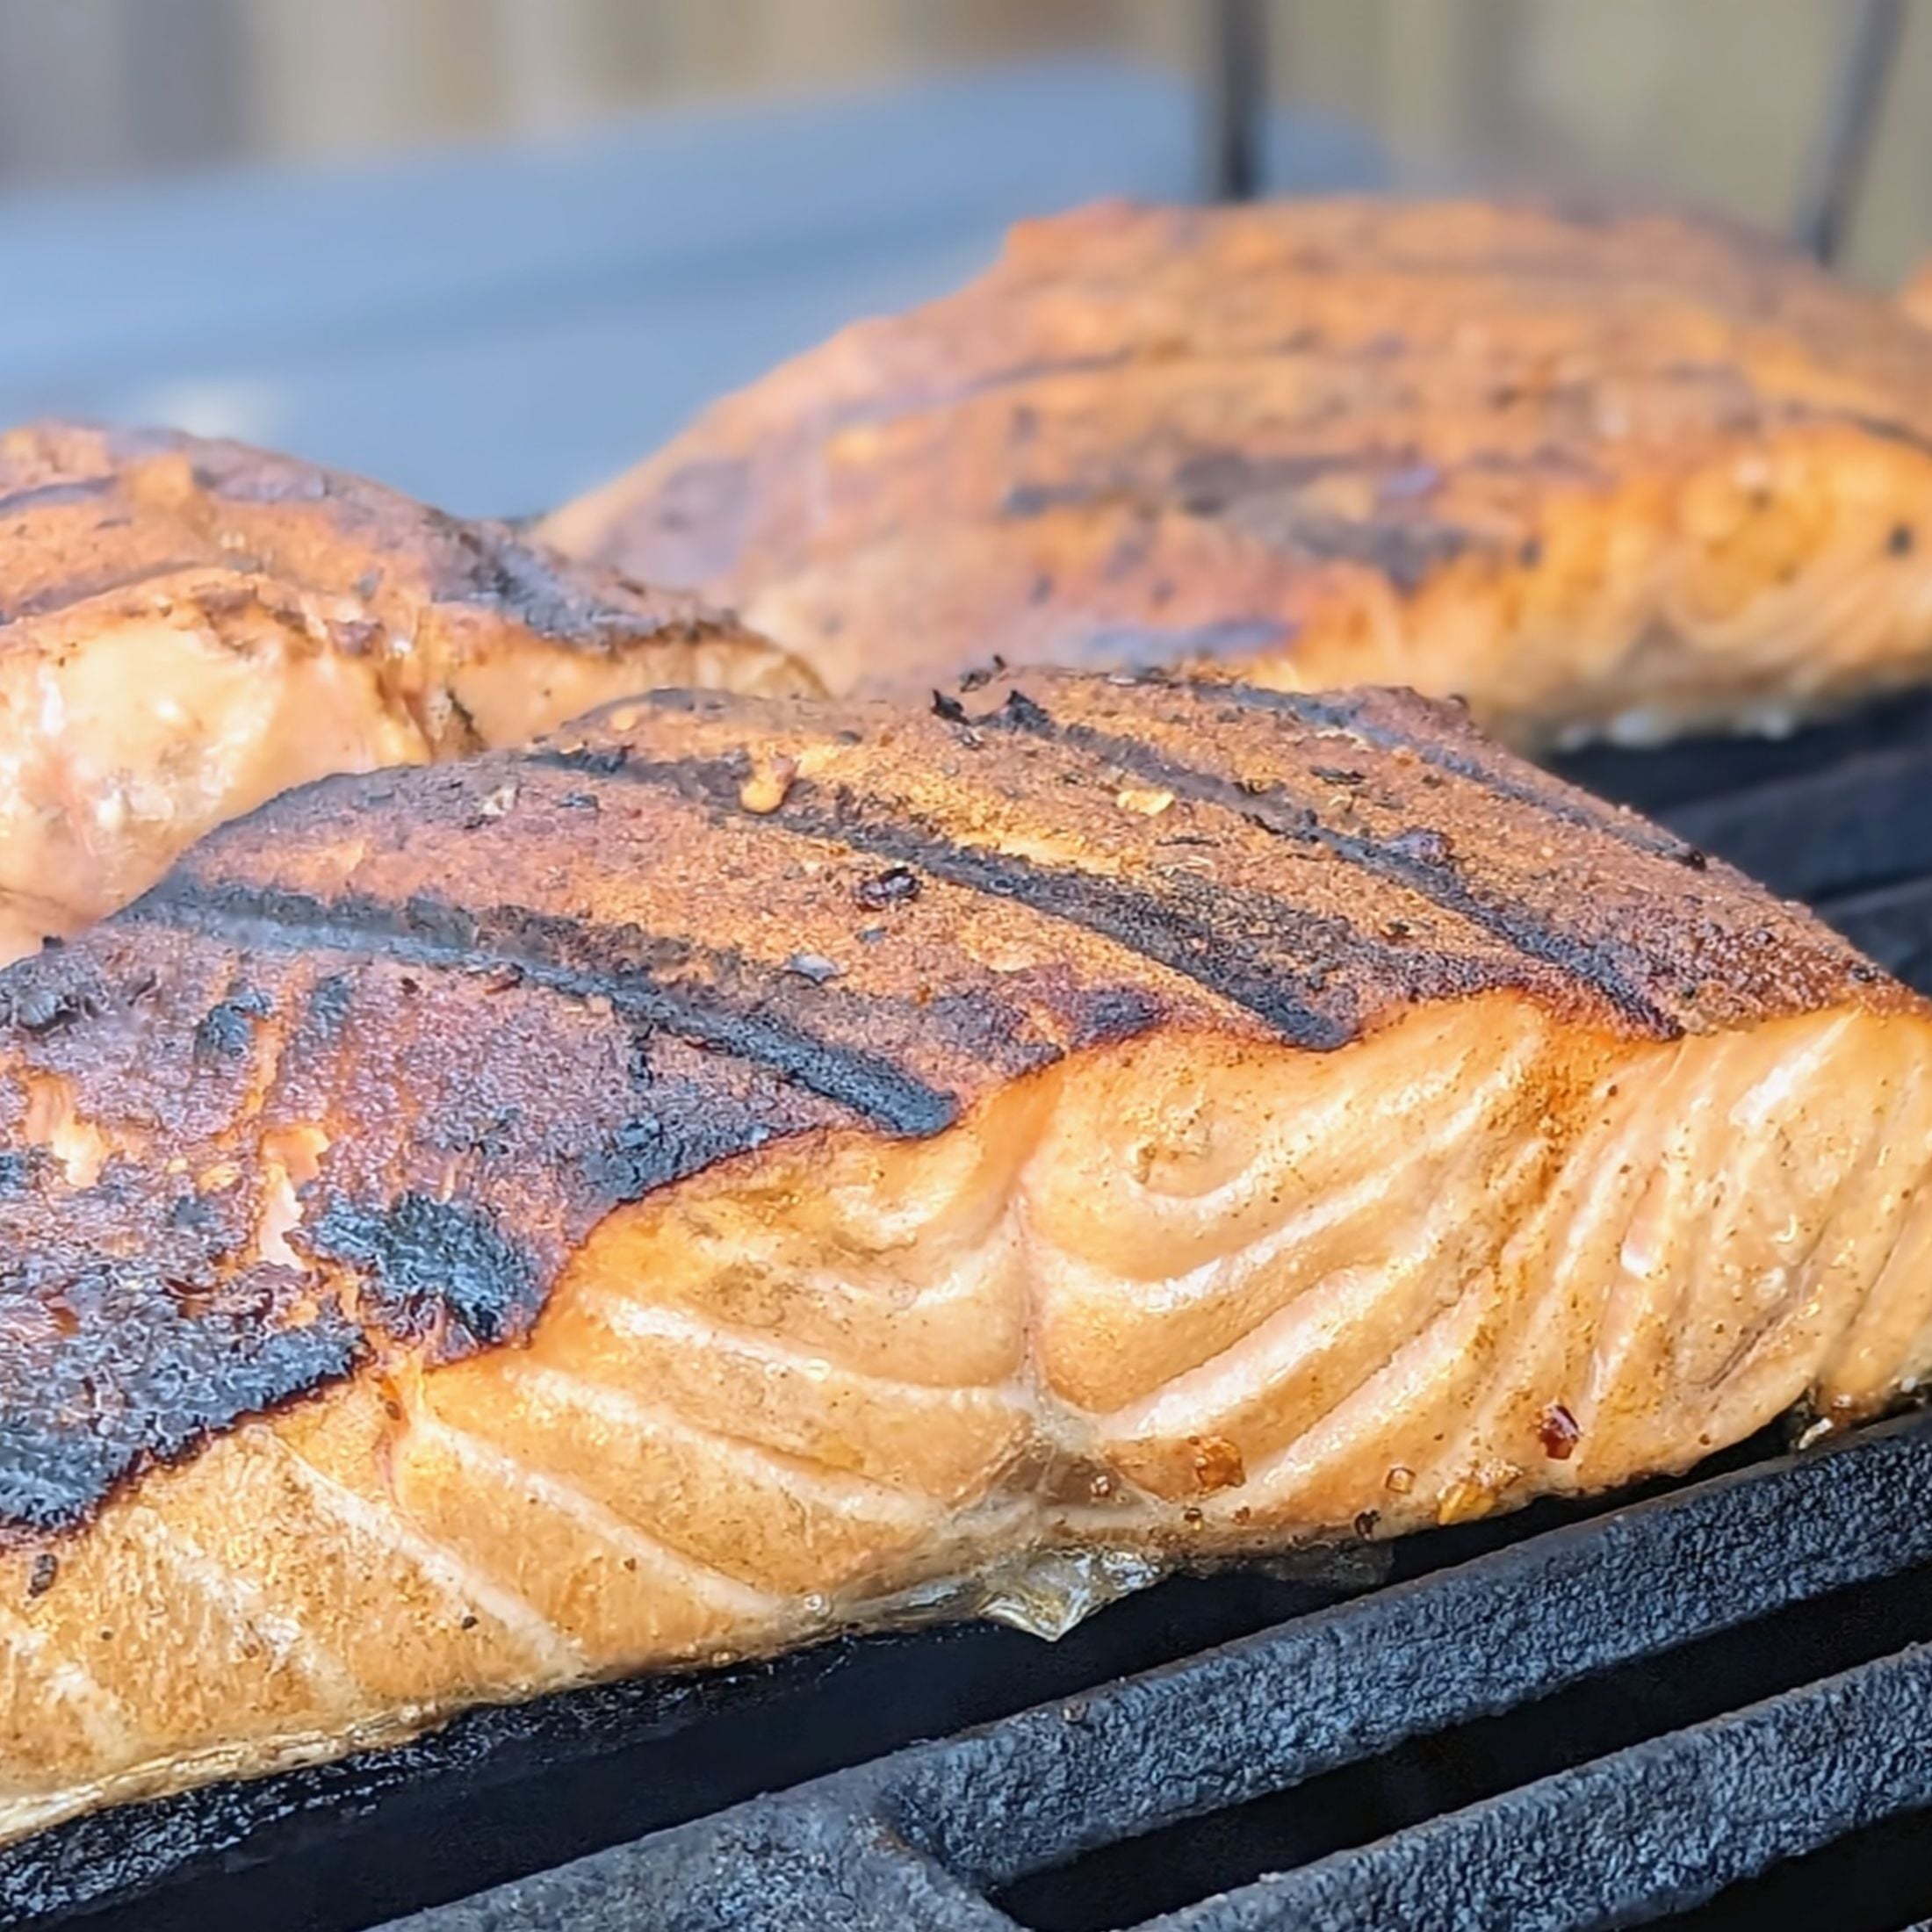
[
  {"x": 746, "y": 1167},
  {"x": 1605, "y": 478},
  {"x": 187, "y": 628}
]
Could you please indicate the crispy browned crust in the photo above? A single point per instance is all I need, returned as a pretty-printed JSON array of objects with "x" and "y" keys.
[
  {"x": 1158, "y": 436},
  {"x": 87, "y": 514},
  {"x": 514, "y": 991}
]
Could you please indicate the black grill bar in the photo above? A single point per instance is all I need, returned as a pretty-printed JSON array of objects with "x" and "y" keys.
[
  {"x": 938, "y": 1825},
  {"x": 1836, "y": 169},
  {"x": 1827, "y": 832},
  {"x": 1836, "y": 816},
  {"x": 1661, "y": 1827},
  {"x": 1892, "y": 925},
  {"x": 1234, "y": 91}
]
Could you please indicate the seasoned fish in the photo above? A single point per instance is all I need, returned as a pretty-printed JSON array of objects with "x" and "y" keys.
[
  {"x": 747, "y": 1167},
  {"x": 1604, "y": 477},
  {"x": 187, "y": 628}
]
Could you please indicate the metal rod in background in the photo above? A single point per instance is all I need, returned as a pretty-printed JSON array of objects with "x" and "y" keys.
[
  {"x": 1235, "y": 98},
  {"x": 1836, "y": 172}
]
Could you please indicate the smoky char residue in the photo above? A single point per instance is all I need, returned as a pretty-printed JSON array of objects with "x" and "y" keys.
[{"x": 647, "y": 978}]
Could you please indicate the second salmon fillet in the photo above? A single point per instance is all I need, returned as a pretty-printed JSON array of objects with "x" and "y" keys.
[
  {"x": 748, "y": 1168},
  {"x": 188, "y": 627}
]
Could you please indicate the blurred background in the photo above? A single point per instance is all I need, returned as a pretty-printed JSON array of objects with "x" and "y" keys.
[{"x": 490, "y": 250}]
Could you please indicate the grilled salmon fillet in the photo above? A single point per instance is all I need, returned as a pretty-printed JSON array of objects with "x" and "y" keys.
[
  {"x": 748, "y": 1167},
  {"x": 187, "y": 628},
  {"x": 1606, "y": 477}
]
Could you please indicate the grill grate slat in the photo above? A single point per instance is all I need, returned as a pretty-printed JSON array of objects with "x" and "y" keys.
[
  {"x": 951, "y": 1819},
  {"x": 1663, "y": 1825}
]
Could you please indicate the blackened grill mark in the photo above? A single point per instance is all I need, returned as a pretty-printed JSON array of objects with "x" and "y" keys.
[
  {"x": 1185, "y": 942},
  {"x": 426, "y": 933},
  {"x": 1886, "y": 429},
  {"x": 1546, "y": 794},
  {"x": 1204, "y": 483},
  {"x": 43, "y": 495},
  {"x": 1422, "y": 867},
  {"x": 244, "y": 478},
  {"x": 74, "y": 590},
  {"x": 1407, "y": 550}
]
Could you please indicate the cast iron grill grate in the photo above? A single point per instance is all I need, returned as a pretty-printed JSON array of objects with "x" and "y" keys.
[
  {"x": 1708, "y": 1703},
  {"x": 984, "y": 1833}
]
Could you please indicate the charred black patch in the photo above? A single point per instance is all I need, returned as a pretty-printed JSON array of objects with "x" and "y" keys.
[
  {"x": 1114, "y": 1014},
  {"x": 603, "y": 760},
  {"x": 47, "y": 1566},
  {"x": 1024, "y": 501},
  {"x": 226, "y": 1029},
  {"x": 433, "y": 1263},
  {"x": 435, "y": 922},
  {"x": 530, "y": 586},
  {"x": 195, "y": 1214},
  {"x": 136, "y": 1374},
  {"x": 1422, "y": 844},
  {"x": 655, "y": 1150},
  {"x": 981, "y": 674},
  {"x": 1022, "y": 710},
  {"x": 897, "y": 885},
  {"x": 638, "y": 1158},
  {"x": 45, "y": 1000}
]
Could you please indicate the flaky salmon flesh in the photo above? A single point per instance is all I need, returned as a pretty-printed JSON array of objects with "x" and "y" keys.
[
  {"x": 1605, "y": 476},
  {"x": 187, "y": 628},
  {"x": 748, "y": 1168}
]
